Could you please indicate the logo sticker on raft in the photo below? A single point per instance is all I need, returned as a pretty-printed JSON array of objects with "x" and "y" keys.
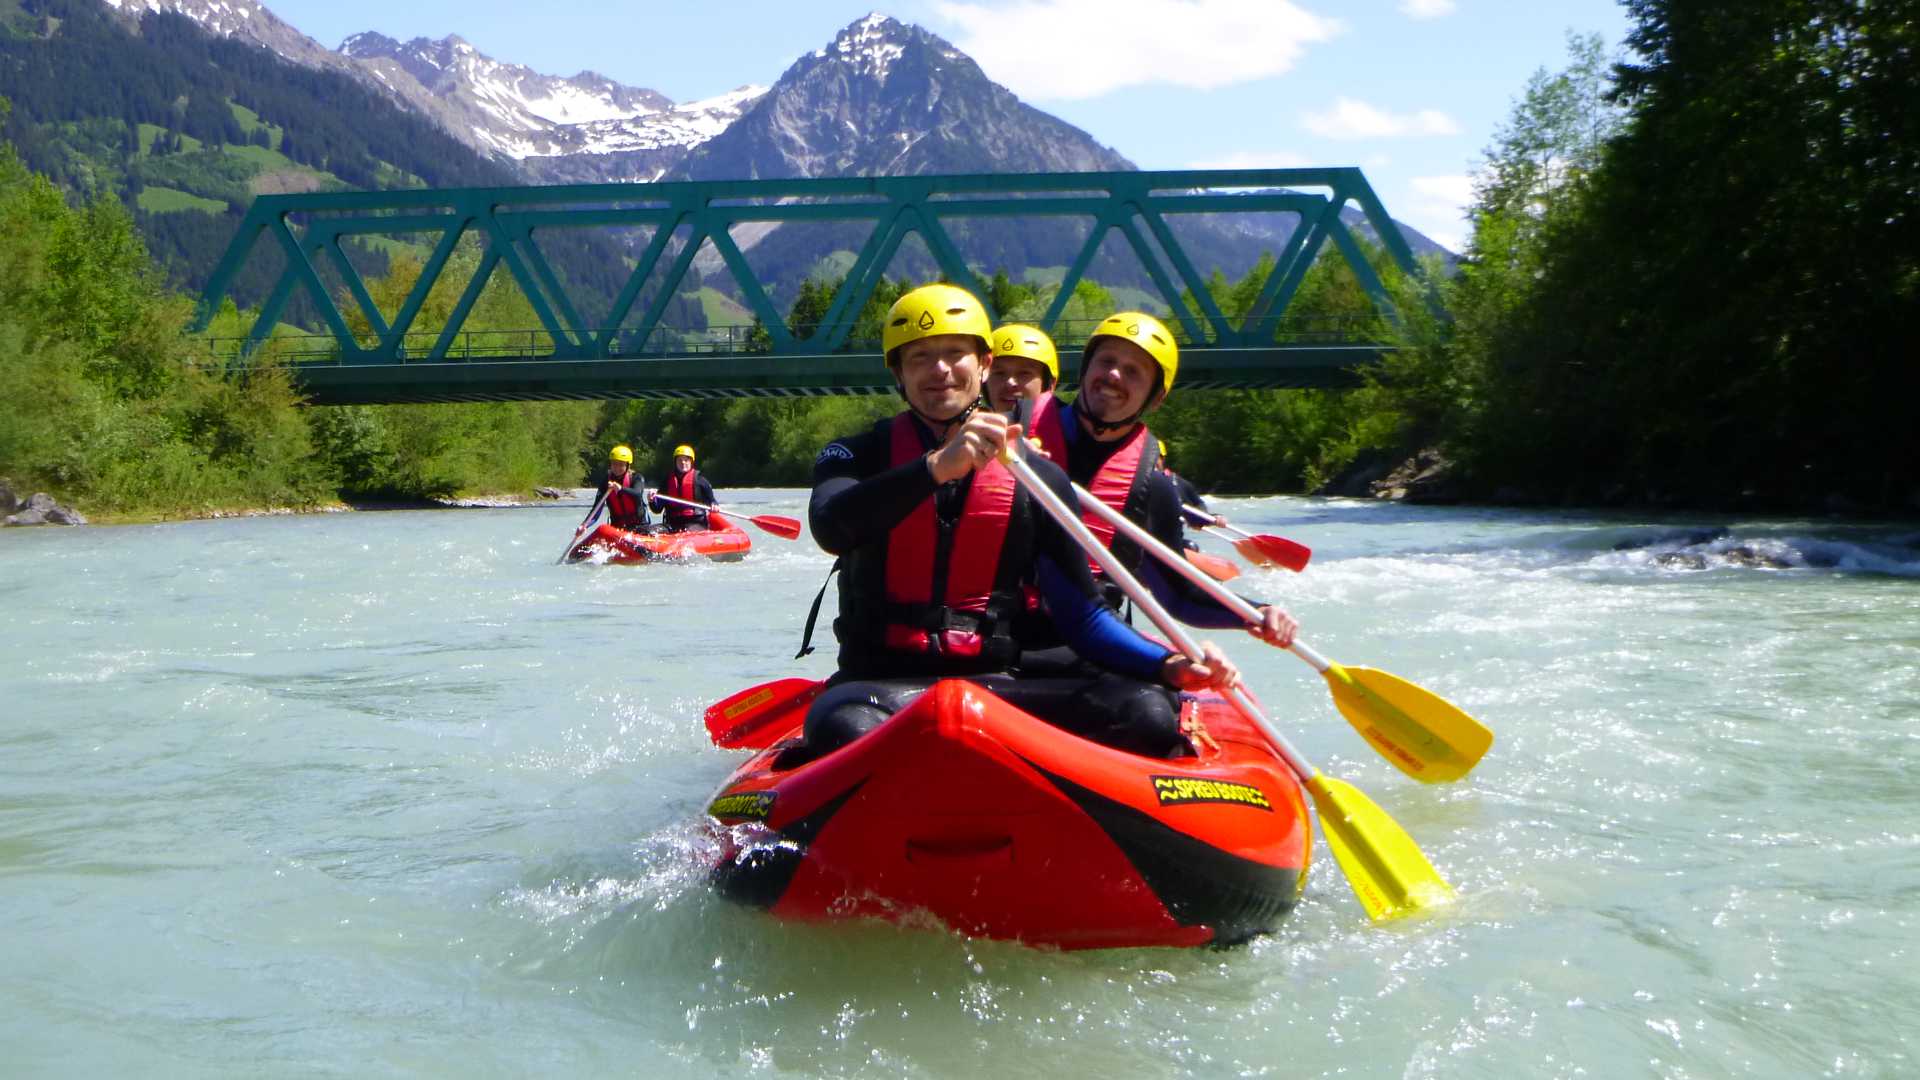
[
  {"x": 1180, "y": 790},
  {"x": 747, "y": 805}
]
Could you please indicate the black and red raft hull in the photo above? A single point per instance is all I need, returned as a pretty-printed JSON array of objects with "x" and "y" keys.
[
  {"x": 725, "y": 543},
  {"x": 1000, "y": 825}
]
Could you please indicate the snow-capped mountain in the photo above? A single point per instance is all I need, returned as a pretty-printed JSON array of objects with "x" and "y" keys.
[
  {"x": 243, "y": 19},
  {"x": 499, "y": 108},
  {"x": 885, "y": 98},
  {"x": 521, "y": 113}
]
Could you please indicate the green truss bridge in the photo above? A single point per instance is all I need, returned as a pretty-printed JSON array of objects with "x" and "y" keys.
[{"x": 709, "y": 229}]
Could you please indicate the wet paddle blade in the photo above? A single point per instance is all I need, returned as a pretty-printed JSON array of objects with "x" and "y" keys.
[
  {"x": 1280, "y": 551},
  {"x": 1389, "y": 875},
  {"x": 1253, "y": 553},
  {"x": 1214, "y": 566},
  {"x": 786, "y": 527},
  {"x": 1426, "y": 736},
  {"x": 753, "y": 718}
]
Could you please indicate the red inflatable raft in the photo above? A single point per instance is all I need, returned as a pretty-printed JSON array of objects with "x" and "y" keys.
[
  {"x": 1003, "y": 826},
  {"x": 725, "y": 543}
]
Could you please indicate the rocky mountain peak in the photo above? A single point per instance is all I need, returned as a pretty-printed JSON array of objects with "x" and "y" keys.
[{"x": 887, "y": 98}]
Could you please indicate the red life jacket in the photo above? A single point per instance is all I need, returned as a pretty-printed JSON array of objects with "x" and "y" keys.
[
  {"x": 939, "y": 594},
  {"x": 624, "y": 510},
  {"x": 1121, "y": 483},
  {"x": 682, "y": 486}
]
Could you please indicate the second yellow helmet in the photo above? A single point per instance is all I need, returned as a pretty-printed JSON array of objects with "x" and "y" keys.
[
  {"x": 1147, "y": 332},
  {"x": 930, "y": 310},
  {"x": 1030, "y": 342},
  {"x": 683, "y": 450},
  {"x": 622, "y": 454}
]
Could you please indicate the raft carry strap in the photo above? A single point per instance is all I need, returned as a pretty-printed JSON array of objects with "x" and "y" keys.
[{"x": 813, "y": 613}]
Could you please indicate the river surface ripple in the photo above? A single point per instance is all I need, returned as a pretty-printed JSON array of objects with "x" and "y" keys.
[{"x": 392, "y": 794}]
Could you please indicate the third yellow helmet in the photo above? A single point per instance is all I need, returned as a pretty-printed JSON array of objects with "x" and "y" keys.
[
  {"x": 621, "y": 453},
  {"x": 930, "y": 310},
  {"x": 1147, "y": 332},
  {"x": 683, "y": 450},
  {"x": 1018, "y": 339}
]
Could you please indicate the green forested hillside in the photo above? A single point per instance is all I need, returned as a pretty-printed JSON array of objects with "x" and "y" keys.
[{"x": 186, "y": 128}]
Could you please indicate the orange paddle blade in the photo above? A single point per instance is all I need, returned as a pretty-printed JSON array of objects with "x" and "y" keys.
[
  {"x": 1213, "y": 566},
  {"x": 753, "y": 718}
]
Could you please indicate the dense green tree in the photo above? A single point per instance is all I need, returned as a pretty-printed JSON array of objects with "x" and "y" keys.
[{"x": 1723, "y": 310}]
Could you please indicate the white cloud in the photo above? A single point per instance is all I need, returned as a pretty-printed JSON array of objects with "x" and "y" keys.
[
  {"x": 1076, "y": 49},
  {"x": 1257, "y": 159},
  {"x": 1350, "y": 119},
  {"x": 1437, "y": 206},
  {"x": 1426, "y": 9}
]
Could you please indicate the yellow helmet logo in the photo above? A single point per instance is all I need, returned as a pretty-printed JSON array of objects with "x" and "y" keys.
[{"x": 935, "y": 309}]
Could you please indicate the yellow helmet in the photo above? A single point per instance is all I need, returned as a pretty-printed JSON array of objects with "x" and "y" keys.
[
  {"x": 1163, "y": 447},
  {"x": 1147, "y": 332},
  {"x": 930, "y": 310},
  {"x": 1029, "y": 342},
  {"x": 621, "y": 453},
  {"x": 683, "y": 450}
]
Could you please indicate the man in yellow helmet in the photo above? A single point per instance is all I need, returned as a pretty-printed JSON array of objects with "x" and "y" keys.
[
  {"x": 626, "y": 492},
  {"x": 1025, "y": 367},
  {"x": 686, "y": 484},
  {"x": 1103, "y": 442},
  {"x": 937, "y": 541}
]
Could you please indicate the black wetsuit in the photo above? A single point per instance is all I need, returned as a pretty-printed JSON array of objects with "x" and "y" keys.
[{"x": 860, "y": 495}]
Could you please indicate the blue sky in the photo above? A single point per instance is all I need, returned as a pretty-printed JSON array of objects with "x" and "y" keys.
[{"x": 1409, "y": 90}]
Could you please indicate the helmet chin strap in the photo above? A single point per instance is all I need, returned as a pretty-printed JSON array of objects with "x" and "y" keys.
[
  {"x": 942, "y": 426},
  {"x": 1102, "y": 427}
]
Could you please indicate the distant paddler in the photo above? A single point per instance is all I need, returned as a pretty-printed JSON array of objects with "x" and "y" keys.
[
  {"x": 626, "y": 492},
  {"x": 684, "y": 485}
]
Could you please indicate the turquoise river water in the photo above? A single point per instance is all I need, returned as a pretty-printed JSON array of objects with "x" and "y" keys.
[{"x": 390, "y": 794}]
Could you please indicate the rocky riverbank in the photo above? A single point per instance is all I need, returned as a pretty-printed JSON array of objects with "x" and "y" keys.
[{"x": 38, "y": 508}]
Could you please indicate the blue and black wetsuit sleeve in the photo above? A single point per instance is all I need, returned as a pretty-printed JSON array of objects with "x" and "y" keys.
[
  {"x": 1074, "y": 602},
  {"x": 859, "y": 495},
  {"x": 1182, "y": 598}
]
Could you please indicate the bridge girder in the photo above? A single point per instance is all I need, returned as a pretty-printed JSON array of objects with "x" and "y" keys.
[{"x": 566, "y": 357}]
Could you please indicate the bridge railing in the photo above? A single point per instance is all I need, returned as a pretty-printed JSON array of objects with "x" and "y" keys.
[{"x": 467, "y": 346}]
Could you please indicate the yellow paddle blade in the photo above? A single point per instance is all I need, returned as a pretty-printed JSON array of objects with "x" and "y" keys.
[
  {"x": 1428, "y": 737},
  {"x": 1388, "y": 873}
]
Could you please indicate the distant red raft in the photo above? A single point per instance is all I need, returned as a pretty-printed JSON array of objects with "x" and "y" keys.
[
  {"x": 726, "y": 543},
  {"x": 1000, "y": 825}
]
